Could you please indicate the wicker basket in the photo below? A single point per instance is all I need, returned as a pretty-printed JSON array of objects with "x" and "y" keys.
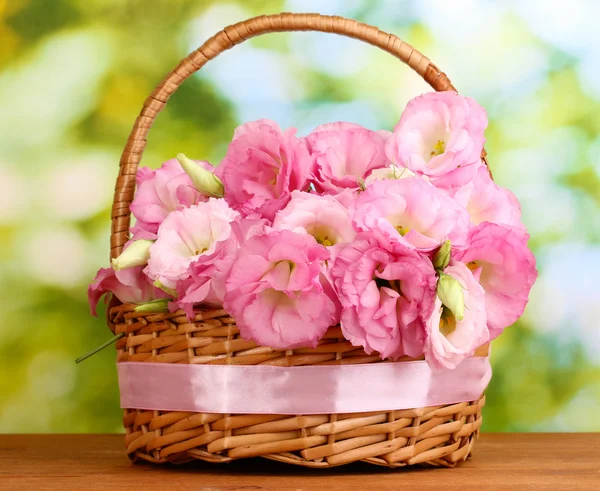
[{"x": 438, "y": 436}]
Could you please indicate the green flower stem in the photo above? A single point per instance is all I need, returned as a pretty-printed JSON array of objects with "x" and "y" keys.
[{"x": 112, "y": 340}]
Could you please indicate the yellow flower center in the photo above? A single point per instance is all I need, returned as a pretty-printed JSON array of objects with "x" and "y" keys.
[
  {"x": 324, "y": 235},
  {"x": 438, "y": 149},
  {"x": 402, "y": 230},
  {"x": 276, "y": 171},
  {"x": 200, "y": 251},
  {"x": 447, "y": 322},
  {"x": 326, "y": 241},
  {"x": 472, "y": 265}
]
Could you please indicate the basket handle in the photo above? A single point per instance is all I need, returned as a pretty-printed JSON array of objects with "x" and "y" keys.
[{"x": 227, "y": 38}]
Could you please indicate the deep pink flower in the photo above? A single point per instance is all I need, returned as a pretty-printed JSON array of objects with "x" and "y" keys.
[
  {"x": 505, "y": 267},
  {"x": 128, "y": 285},
  {"x": 275, "y": 291},
  {"x": 440, "y": 135},
  {"x": 487, "y": 202},
  {"x": 160, "y": 192},
  {"x": 387, "y": 294},
  {"x": 450, "y": 340},
  {"x": 184, "y": 236},
  {"x": 345, "y": 154},
  {"x": 262, "y": 167},
  {"x": 411, "y": 212}
]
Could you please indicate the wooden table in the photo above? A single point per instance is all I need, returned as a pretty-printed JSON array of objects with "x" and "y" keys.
[{"x": 502, "y": 461}]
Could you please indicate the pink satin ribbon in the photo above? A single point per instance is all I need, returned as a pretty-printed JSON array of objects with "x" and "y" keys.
[{"x": 321, "y": 389}]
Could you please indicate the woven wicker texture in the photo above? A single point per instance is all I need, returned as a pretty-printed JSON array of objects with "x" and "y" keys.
[{"x": 439, "y": 436}]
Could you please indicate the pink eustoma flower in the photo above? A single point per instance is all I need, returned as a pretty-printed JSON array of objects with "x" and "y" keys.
[
  {"x": 440, "y": 135},
  {"x": 208, "y": 273},
  {"x": 275, "y": 291},
  {"x": 159, "y": 192},
  {"x": 485, "y": 201},
  {"x": 387, "y": 294},
  {"x": 323, "y": 217},
  {"x": 450, "y": 340},
  {"x": 263, "y": 165},
  {"x": 505, "y": 267},
  {"x": 128, "y": 285},
  {"x": 345, "y": 155},
  {"x": 186, "y": 235},
  {"x": 411, "y": 212},
  {"x": 391, "y": 172}
]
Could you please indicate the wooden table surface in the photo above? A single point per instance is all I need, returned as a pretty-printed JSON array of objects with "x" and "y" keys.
[{"x": 501, "y": 461}]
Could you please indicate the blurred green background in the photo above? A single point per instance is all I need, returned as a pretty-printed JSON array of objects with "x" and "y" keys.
[{"x": 74, "y": 75}]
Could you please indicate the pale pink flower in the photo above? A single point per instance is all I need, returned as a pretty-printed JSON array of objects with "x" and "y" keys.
[
  {"x": 387, "y": 294},
  {"x": 487, "y": 202},
  {"x": 345, "y": 155},
  {"x": 450, "y": 340},
  {"x": 411, "y": 212},
  {"x": 208, "y": 273},
  {"x": 275, "y": 291},
  {"x": 440, "y": 135},
  {"x": 128, "y": 285},
  {"x": 323, "y": 217},
  {"x": 262, "y": 167},
  {"x": 390, "y": 172},
  {"x": 500, "y": 259},
  {"x": 159, "y": 192},
  {"x": 184, "y": 236}
]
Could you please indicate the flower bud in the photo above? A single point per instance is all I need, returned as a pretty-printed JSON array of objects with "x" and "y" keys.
[
  {"x": 158, "y": 305},
  {"x": 442, "y": 256},
  {"x": 136, "y": 254},
  {"x": 166, "y": 289},
  {"x": 450, "y": 292},
  {"x": 204, "y": 180}
]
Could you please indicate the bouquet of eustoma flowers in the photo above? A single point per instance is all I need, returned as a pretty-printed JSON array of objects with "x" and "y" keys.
[{"x": 402, "y": 238}]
